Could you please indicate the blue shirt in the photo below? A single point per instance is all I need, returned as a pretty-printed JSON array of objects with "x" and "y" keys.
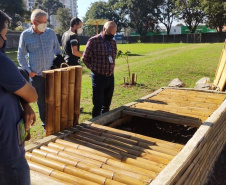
[
  {"x": 11, "y": 80},
  {"x": 36, "y": 51}
]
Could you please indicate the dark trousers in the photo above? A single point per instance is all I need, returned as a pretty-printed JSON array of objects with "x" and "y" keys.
[
  {"x": 16, "y": 174},
  {"x": 38, "y": 82},
  {"x": 103, "y": 88}
]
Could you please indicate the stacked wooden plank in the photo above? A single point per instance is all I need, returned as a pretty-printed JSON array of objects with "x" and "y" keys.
[
  {"x": 220, "y": 76},
  {"x": 97, "y": 154},
  {"x": 184, "y": 107}
]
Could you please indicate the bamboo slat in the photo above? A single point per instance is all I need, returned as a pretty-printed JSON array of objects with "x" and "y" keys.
[
  {"x": 78, "y": 82},
  {"x": 49, "y": 93},
  {"x": 220, "y": 68},
  {"x": 64, "y": 98},
  {"x": 71, "y": 96},
  {"x": 57, "y": 95},
  {"x": 105, "y": 170},
  {"x": 58, "y": 175},
  {"x": 134, "y": 136}
]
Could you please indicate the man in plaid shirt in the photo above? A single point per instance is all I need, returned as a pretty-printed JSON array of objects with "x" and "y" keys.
[{"x": 99, "y": 57}]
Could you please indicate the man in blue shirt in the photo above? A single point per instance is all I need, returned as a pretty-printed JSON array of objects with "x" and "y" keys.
[
  {"x": 14, "y": 169},
  {"x": 36, "y": 51}
]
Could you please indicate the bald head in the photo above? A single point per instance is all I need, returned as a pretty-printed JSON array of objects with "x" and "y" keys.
[{"x": 110, "y": 28}]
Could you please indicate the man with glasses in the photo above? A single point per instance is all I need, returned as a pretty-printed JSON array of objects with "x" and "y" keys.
[
  {"x": 37, "y": 47},
  {"x": 99, "y": 57}
]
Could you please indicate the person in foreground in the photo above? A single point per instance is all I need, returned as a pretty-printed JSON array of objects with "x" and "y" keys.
[
  {"x": 15, "y": 95},
  {"x": 70, "y": 42},
  {"x": 39, "y": 44},
  {"x": 99, "y": 57}
]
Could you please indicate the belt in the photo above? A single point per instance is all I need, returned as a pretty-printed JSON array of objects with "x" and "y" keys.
[{"x": 102, "y": 74}]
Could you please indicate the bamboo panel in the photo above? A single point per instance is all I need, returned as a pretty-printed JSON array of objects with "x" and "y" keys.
[
  {"x": 91, "y": 168},
  {"x": 166, "y": 117},
  {"x": 105, "y": 170},
  {"x": 147, "y": 165},
  {"x": 49, "y": 93},
  {"x": 58, "y": 175},
  {"x": 220, "y": 68},
  {"x": 64, "y": 98},
  {"x": 125, "y": 144},
  {"x": 57, "y": 96},
  {"x": 71, "y": 96},
  {"x": 79, "y": 172},
  {"x": 190, "y": 93},
  {"x": 105, "y": 160},
  {"x": 148, "y": 145},
  {"x": 78, "y": 82},
  {"x": 134, "y": 136},
  {"x": 140, "y": 156}
]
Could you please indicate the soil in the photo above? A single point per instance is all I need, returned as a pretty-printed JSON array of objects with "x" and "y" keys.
[{"x": 177, "y": 134}]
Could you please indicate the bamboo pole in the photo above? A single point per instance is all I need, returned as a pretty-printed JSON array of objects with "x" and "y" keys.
[
  {"x": 131, "y": 135},
  {"x": 106, "y": 171},
  {"x": 57, "y": 94},
  {"x": 67, "y": 169},
  {"x": 106, "y": 160},
  {"x": 64, "y": 98},
  {"x": 111, "y": 155},
  {"x": 71, "y": 95},
  {"x": 119, "y": 150},
  {"x": 58, "y": 175},
  {"x": 78, "y": 83},
  {"x": 49, "y": 99},
  {"x": 72, "y": 156}
]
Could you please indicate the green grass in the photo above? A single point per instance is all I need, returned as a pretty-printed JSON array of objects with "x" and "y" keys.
[{"x": 155, "y": 65}]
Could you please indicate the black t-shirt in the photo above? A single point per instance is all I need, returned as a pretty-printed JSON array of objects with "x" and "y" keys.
[{"x": 70, "y": 39}]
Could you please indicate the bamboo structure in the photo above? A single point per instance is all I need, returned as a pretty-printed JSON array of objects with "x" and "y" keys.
[
  {"x": 63, "y": 91},
  {"x": 97, "y": 154},
  {"x": 49, "y": 76},
  {"x": 78, "y": 81}
]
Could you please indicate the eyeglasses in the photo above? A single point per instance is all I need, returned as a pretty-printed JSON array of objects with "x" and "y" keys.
[{"x": 39, "y": 22}]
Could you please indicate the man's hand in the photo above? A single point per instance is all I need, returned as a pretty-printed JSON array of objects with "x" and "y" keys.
[
  {"x": 32, "y": 74},
  {"x": 29, "y": 115}
]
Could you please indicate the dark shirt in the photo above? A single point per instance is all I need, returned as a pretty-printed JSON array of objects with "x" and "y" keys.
[
  {"x": 10, "y": 110},
  {"x": 70, "y": 39},
  {"x": 96, "y": 55}
]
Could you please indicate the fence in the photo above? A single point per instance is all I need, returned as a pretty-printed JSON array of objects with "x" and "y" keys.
[{"x": 13, "y": 38}]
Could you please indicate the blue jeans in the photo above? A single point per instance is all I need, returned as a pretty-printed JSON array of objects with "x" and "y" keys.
[
  {"x": 38, "y": 82},
  {"x": 103, "y": 88},
  {"x": 16, "y": 174}
]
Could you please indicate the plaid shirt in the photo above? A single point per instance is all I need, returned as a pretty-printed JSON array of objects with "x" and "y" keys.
[
  {"x": 96, "y": 55},
  {"x": 39, "y": 49}
]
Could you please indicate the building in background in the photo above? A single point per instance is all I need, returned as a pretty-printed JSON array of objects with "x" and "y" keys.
[{"x": 70, "y": 4}]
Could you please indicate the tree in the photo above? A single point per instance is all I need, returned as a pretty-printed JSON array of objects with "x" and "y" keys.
[
  {"x": 191, "y": 13},
  {"x": 140, "y": 14},
  {"x": 63, "y": 16},
  {"x": 105, "y": 10},
  {"x": 15, "y": 9},
  {"x": 50, "y": 6},
  {"x": 97, "y": 10},
  {"x": 166, "y": 12},
  {"x": 216, "y": 13}
]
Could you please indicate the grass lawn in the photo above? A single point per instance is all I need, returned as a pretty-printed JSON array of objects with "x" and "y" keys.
[{"x": 155, "y": 65}]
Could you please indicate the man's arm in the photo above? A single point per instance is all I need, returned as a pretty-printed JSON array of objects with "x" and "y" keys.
[
  {"x": 75, "y": 51},
  {"x": 22, "y": 54},
  {"x": 27, "y": 93},
  {"x": 87, "y": 55}
]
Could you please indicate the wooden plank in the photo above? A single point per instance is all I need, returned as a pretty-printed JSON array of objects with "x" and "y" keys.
[{"x": 220, "y": 69}]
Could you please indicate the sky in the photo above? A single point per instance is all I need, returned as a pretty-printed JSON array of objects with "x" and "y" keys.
[{"x": 83, "y": 6}]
